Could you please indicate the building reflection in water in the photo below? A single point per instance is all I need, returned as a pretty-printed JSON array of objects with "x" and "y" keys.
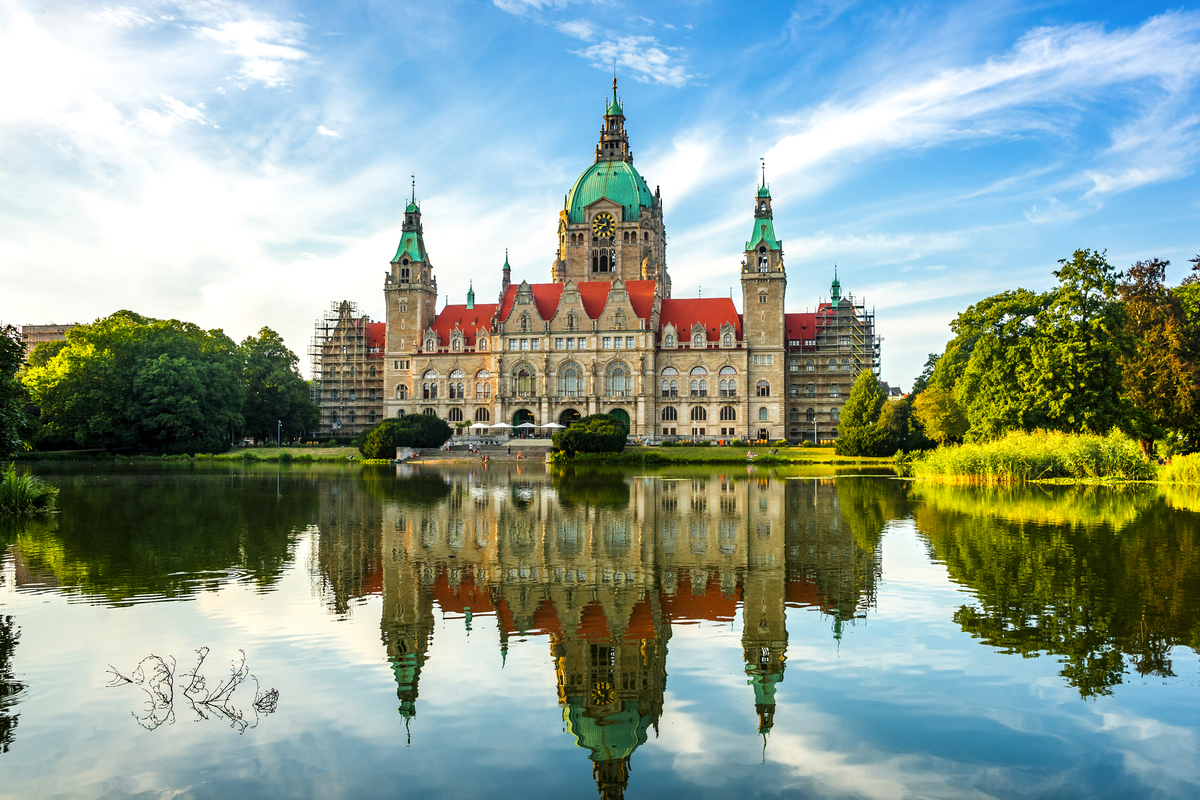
[{"x": 603, "y": 567}]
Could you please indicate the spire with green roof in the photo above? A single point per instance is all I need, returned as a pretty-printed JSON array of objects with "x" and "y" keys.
[
  {"x": 614, "y": 142},
  {"x": 835, "y": 288},
  {"x": 412, "y": 243}
]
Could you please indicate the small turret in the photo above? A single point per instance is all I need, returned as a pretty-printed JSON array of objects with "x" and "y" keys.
[
  {"x": 614, "y": 141},
  {"x": 506, "y": 278},
  {"x": 835, "y": 288},
  {"x": 471, "y": 295}
]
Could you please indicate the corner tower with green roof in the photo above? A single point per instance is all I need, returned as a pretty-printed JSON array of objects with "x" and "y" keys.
[
  {"x": 410, "y": 294},
  {"x": 611, "y": 225},
  {"x": 764, "y": 285}
]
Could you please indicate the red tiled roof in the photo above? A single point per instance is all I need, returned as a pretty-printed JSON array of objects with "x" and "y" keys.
[
  {"x": 593, "y": 625},
  {"x": 545, "y": 297},
  {"x": 466, "y": 595},
  {"x": 376, "y": 333},
  {"x": 712, "y": 312},
  {"x": 800, "y": 326},
  {"x": 593, "y": 295},
  {"x": 468, "y": 319},
  {"x": 684, "y": 607},
  {"x": 641, "y": 297},
  {"x": 641, "y": 621}
]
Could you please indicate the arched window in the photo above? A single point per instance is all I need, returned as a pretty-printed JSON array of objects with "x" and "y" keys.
[
  {"x": 429, "y": 391},
  {"x": 430, "y": 412},
  {"x": 763, "y": 389},
  {"x": 846, "y": 365},
  {"x": 595, "y": 262},
  {"x": 810, "y": 415},
  {"x": 729, "y": 340},
  {"x": 483, "y": 344},
  {"x": 794, "y": 415},
  {"x": 524, "y": 379},
  {"x": 669, "y": 341},
  {"x": 568, "y": 381},
  {"x": 794, "y": 390},
  {"x": 456, "y": 344},
  {"x": 457, "y": 375},
  {"x": 833, "y": 390},
  {"x": 616, "y": 380},
  {"x": 401, "y": 392},
  {"x": 483, "y": 415},
  {"x": 810, "y": 365},
  {"x": 810, "y": 390},
  {"x": 670, "y": 372},
  {"x": 456, "y": 415},
  {"x": 670, "y": 414},
  {"x": 371, "y": 417},
  {"x": 728, "y": 413},
  {"x": 430, "y": 375},
  {"x": 430, "y": 344},
  {"x": 762, "y": 414},
  {"x": 333, "y": 394},
  {"x": 478, "y": 390},
  {"x": 604, "y": 262},
  {"x": 698, "y": 371},
  {"x": 833, "y": 365},
  {"x": 834, "y": 414},
  {"x": 699, "y": 414},
  {"x": 698, "y": 340},
  {"x": 728, "y": 371},
  {"x": 703, "y": 388},
  {"x": 372, "y": 372}
]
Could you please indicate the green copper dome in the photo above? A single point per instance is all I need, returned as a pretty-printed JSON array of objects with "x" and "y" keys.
[
  {"x": 615, "y": 737},
  {"x": 411, "y": 208},
  {"x": 616, "y": 180}
]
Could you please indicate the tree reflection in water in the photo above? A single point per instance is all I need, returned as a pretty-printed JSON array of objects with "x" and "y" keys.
[
  {"x": 10, "y": 687},
  {"x": 1104, "y": 579}
]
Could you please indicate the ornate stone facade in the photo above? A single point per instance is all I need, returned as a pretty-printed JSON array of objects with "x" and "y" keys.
[{"x": 605, "y": 335}]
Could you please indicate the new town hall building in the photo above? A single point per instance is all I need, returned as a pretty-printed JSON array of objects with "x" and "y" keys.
[{"x": 604, "y": 334}]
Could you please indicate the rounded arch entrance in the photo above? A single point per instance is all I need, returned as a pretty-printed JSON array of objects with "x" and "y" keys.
[
  {"x": 567, "y": 417},
  {"x": 524, "y": 415},
  {"x": 623, "y": 416}
]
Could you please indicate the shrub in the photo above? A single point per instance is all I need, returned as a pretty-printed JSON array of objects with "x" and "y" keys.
[
  {"x": 25, "y": 495},
  {"x": 781, "y": 443},
  {"x": 737, "y": 443},
  {"x": 864, "y": 440},
  {"x": 285, "y": 456},
  {"x": 598, "y": 433},
  {"x": 411, "y": 430}
]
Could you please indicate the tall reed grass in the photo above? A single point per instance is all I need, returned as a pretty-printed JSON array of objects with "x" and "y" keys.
[
  {"x": 25, "y": 495},
  {"x": 1041, "y": 455},
  {"x": 1182, "y": 469}
]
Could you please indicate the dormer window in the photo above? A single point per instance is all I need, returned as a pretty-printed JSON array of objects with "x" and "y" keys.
[
  {"x": 698, "y": 340},
  {"x": 670, "y": 340}
]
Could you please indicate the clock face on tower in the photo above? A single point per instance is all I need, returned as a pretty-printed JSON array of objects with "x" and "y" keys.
[{"x": 604, "y": 225}]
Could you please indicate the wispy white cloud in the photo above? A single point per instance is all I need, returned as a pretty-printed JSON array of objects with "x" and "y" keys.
[
  {"x": 321, "y": 129},
  {"x": 1004, "y": 95},
  {"x": 578, "y": 28},
  {"x": 644, "y": 56}
]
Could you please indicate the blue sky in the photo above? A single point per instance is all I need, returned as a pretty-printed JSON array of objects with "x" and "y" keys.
[{"x": 240, "y": 164}]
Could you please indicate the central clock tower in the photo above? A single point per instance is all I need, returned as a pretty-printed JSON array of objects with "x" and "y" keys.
[{"x": 612, "y": 224}]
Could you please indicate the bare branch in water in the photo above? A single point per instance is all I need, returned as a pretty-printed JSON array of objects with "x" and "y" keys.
[{"x": 156, "y": 677}]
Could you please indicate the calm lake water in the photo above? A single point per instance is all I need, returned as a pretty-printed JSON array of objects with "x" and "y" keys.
[{"x": 358, "y": 632}]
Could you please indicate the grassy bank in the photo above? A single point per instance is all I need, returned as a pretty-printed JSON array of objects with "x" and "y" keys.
[
  {"x": 1182, "y": 469},
  {"x": 720, "y": 455},
  {"x": 25, "y": 495},
  {"x": 1022, "y": 457}
]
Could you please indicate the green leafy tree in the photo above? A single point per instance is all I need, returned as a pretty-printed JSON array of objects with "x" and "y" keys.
[
  {"x": 857, "y": 432},
  {"x": 926, "y": 373},
  {"x": 940, "y": 415},
  {"x": 44, "y": 351},
  {"x": 128, "y": 381},
  {"x": 1074, "y": 376},
  {"x": 411, "y": 430},
  {"x": 598, "y": 433},
  {"x": 1160, "y": 374},
  {"x": 12, "y": 392},
  {"x": 275, "y": 392}
]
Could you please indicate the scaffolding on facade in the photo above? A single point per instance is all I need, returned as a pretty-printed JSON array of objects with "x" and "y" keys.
[
  {"x": 849, "y": 335},
  {"x": 346, "y": 385}
]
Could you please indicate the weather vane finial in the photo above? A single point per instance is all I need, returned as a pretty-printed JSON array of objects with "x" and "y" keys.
[
  {"x": 763, "y": 161},
  {"x": 414, "y": 188}
]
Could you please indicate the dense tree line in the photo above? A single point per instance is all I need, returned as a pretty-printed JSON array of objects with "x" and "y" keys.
[
  {"x": 1103, "y": 349},
  {"x": 129, "y": 382}
]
